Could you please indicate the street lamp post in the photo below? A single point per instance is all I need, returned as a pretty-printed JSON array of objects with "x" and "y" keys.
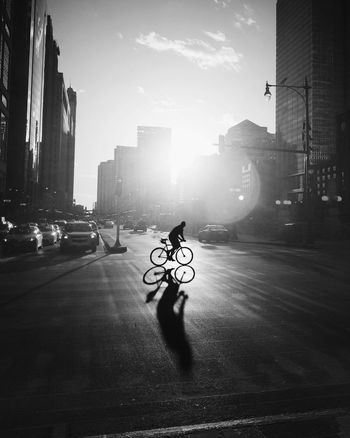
[
  {"x": 118, "y": 248},
  {"x": 306, "y": 150}
]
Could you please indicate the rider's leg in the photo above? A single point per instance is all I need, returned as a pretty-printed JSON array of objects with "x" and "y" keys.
[{"x": 175, "y": 245}]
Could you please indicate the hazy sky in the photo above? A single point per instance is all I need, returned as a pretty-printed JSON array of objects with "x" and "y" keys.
[{"x": 195, "y": 66}]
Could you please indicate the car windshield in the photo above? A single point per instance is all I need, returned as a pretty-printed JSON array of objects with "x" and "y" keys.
[
  {"x": 45, "y": 228},
  {"x": 219, "y": 227},
  {"x": 21, "y": 230},
  {"x": 79, "y": 227}
]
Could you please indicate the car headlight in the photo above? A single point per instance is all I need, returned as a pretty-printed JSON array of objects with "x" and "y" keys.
[
  {"x": 65, "y": 236},
  {"x": 53, "y": 233},
  {"x": 93, "y": 236}
]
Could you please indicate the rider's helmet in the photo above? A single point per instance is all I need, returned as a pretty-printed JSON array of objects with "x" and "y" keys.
[{"x": 183, "y": 223}]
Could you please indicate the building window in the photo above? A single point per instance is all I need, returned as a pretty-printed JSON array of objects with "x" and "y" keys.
[
  {"x": 5, "y": 65},
  {"x": 8, "y": 7},
  {"x": 3, "y": 136}
]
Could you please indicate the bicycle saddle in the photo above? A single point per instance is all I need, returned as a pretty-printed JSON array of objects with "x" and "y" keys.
[{"x": 163, "y": 240}]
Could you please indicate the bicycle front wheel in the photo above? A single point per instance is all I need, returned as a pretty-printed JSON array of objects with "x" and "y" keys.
[
  {"x": 154, "y": 275},
  {"x": 184, "y": 274},
  {"x": 184, "y": 255},
  {"x": 159, "y": 256}
]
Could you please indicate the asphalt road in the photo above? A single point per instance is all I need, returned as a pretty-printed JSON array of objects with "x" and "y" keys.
[{"x": 264, "y": 333}]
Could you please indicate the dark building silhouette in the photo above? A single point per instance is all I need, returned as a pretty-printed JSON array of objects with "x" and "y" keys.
[
  {"x": 58, "y": 142},
  {"x": 26, "y": 89},
  {"x": 106, "y": 182},
  {"x": 5, "y": 54},
  {"x": 312, "y": 41}
]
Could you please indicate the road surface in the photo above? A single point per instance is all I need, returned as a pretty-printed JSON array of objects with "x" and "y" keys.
[{"x": 263, "y": 334}]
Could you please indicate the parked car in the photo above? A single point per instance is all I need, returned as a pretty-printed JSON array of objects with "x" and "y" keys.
[
  {"x": 95, "y": 230},
  {"x": 78, "y": 235},
  {"x": 49, "y": 234},
  {"x": 5, "y": 227},
  {"x": 23, "y": 237},
  {"x": 129, "y": 225},
  {"x": 140, "y": 226},
  {"x": 109, "y": 224},
  {"x": 211, "y": 233}
]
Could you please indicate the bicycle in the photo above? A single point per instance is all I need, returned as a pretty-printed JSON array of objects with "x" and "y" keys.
[
  {"x": 160, "y": 255},
  {"x": 158, "y": 274}
]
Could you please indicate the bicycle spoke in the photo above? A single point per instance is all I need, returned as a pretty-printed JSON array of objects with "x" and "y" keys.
[{"x": 184, "y": 274}]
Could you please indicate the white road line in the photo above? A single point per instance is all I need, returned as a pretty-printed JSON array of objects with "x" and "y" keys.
[{"x": 230, "y": 424}]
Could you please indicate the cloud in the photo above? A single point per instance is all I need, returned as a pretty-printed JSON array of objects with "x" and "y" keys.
[
  {"x": 218, "y": 36},
  {"x": 140, "y": 90},
  {"x": 196, "y": 51},
  {"x": 223, "y": 3},
  {"x": 246, "y": 18},
  {"x": 120, "y": 35}
]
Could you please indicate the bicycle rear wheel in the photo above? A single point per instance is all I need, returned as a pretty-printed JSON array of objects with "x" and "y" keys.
[
  {"x": 184, "y": 274},
  {"x": 159, "y": 256},
  {"x": 184, "y": 255},
  {"x": 154, "y": 275}
]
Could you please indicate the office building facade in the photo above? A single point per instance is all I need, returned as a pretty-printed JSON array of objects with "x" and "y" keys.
[
  {"x": 26, "y": 90},
  {"x": 312, "y": 44},
  {"x": 106, "y": 184},
  {"x": 5, "y": 54}
]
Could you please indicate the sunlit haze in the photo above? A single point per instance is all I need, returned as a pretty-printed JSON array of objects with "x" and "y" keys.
[{"x": 195, "y": 66}]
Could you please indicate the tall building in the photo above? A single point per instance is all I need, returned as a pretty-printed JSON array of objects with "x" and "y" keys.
[
  {"x": 106, "y": 181},
  {"x": 26, "y": 89},
  {"x": 126, "y": 168},
  {"x": 253, "y": 160},
  {"x": 312, "y": 42},
  {"x": 5, "y": 54},
  {"x": 58, "y": 141}
]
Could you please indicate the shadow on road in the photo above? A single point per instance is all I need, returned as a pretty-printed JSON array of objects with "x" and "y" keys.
[
  {"x": 43, "y": 259},
  {"x": 170, "y": 314},
  {"x": 52, "y": 280}
]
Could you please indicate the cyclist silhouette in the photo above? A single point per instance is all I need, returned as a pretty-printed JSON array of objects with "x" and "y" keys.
[{"x": 176, "y": 236}]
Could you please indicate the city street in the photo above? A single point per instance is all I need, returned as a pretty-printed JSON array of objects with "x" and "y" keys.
[{"x": 264, "y": 333}]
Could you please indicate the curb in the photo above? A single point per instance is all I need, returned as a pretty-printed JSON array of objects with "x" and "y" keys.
[{"x": 113, "y": 249}]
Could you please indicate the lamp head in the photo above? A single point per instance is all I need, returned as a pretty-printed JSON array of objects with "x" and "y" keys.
[{"x": 267, "y": 93}]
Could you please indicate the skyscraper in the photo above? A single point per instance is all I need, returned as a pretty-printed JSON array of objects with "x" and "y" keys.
[
  {"x": 26, "y": 91},
  {"x": 5, "y": 53},
  {"x": 58, "y": 140},
  {"x": 106, "y": 188},
  {"x": 312, "y": 42}
]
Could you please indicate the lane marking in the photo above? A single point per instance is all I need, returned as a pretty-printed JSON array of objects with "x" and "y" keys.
[{"x": 232, "y": 424}]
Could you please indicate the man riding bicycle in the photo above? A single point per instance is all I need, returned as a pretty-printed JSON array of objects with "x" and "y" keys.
[{"x": 176, "y": 236}]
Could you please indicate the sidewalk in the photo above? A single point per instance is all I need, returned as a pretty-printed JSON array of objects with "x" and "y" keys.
[{"x": 318, "y": 244}]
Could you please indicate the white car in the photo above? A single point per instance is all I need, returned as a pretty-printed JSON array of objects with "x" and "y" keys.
[
  {"x": 78, "y": 235},
  {"x": 25, "y": 237},
  {"x": 49, "y": 234}
]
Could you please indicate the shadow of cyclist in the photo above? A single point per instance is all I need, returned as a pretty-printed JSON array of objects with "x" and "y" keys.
[{"x": 170, "y": 314}]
